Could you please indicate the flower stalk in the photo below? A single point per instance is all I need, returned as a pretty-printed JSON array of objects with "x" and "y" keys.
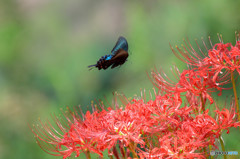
[
  {"x": 235, "y": 95},
  {"x": 132, "y": 147},
  {"x": 87, "y": 154},
  {"x": 222, "y": 146},
  {"x": 203, "y": 103}
]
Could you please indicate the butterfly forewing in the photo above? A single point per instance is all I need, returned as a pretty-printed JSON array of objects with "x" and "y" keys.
[{"x": 121, "y": 44}]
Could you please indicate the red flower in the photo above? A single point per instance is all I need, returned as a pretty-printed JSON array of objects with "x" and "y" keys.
[
  {"x": 198, "y": 82},
  {"x": 96, "y": 131},
  {"x": 159, "y": 128},
  {"x": 219, "y": 57},
  {"x": 224, "y": 56},
  {"x": 189, "y": 55},
  {"x": 163, "y": 82},
  {"x": 227, "y": 119},
  {"x": 74, "y": 134}
]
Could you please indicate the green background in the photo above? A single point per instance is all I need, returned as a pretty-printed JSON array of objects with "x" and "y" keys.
[{"x": 46, "y": 46}]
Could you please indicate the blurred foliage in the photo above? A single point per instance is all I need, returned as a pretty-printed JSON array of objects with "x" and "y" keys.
[{"x": 46, "y": 46}]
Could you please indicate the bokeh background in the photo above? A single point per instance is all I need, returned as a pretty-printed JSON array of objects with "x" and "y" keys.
[{"x": 46, "y": 46}]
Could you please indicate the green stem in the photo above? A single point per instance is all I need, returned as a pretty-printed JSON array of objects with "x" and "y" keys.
[
  {"x": 235, "y": 94},
  {"x": 132, "y": 149},
  {"x": 146, "y": 140},
  {"x": 205, "y": 151},
  {"x": 210, "y": 149},
  {"x": 123, "y": 151},
  {"x": 222, "y": 145},
  {"x": 203, "y": 103},
  {"x": 87, "y": 153}
]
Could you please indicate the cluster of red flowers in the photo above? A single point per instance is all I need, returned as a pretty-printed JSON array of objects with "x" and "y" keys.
[{"x": 162, "y": 127}]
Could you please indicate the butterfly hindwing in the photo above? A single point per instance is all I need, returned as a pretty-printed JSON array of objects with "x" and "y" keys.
[{"x": 119, "y": 58}]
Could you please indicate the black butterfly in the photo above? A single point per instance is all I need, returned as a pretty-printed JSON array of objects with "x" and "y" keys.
[{"x": 118, "y": 56}]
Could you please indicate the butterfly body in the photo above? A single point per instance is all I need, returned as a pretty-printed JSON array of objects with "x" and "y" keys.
[{"x": 118, "y": 56}]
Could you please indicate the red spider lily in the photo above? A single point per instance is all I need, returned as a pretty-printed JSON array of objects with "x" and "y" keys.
[
  {"x": 227, "y": 119},
  {"x": 219, "y": 57},
  {"x": 159, "y": 128},
  {"x": 191, "y": 56},
  {"x": 74, "y": 134},
  {"x": 224, "y": 56},
  {"x": 182, "y": 139},
  {"x": 163, "y": 82},
  {"x": 190, "y": 135},
  {"x": 199, "y": 82},
  {"x": 162, "y": 105},
  {"x": 178, "y": 144},
  {"x": 95, "y": 133},
  {"x": 125, "y": 126}
]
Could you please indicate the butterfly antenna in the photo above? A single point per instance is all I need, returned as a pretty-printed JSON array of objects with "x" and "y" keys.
[{"x": 91, "y": 67}]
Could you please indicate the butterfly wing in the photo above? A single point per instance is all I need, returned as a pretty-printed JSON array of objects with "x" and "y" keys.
[
  {"x": 121, "y": 44},
  {"x": 119, "y": 58}
]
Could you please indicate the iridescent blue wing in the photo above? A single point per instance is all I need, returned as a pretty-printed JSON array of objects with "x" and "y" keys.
[{"x": 121, "y": 44}]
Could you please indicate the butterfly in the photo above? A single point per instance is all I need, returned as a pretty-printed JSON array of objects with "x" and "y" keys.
[{"x": 118, "y": 56}]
